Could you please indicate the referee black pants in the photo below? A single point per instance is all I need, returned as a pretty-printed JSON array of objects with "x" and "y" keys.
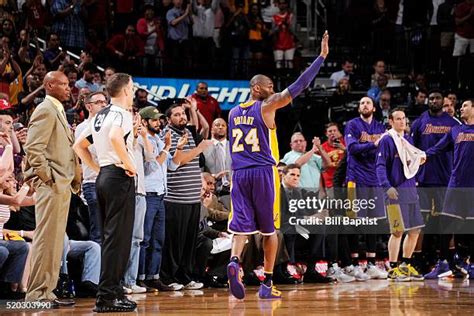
[
  {"x": 179, "y": 252},
  {"x": 116, "y": 200}
]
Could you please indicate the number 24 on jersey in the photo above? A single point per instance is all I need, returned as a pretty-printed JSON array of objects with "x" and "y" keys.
[{"x": 250, "y": 139}]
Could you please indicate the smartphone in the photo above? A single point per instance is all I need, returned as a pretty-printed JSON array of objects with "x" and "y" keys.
[{"x": 18, "y": 126}]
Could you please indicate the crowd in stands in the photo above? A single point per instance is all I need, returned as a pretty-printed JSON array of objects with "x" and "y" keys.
[{"x": 175, "y": 251}]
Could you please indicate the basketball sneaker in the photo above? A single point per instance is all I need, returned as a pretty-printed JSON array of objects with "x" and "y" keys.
[
  {"x": 268, "y": 292},
  {"x": 337, "y": 274},
  {"x": 461, "y": 268},
  {"x": 236, "y": 286},
  {"x": 356, "y": 272},
  {"x": 440, "y": 270},
  {"x": 409, "y": 270},
  {"x": 397, "y": 275},
  {"x": 374, "y": 272}
]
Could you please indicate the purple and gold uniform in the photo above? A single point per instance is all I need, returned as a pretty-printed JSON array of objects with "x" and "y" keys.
[
  {"x": 390, "y": 173},
  {"x": 361, "y": 155},
  {"x": 255, "y": 181},
  {"x": 458, "y": 200},
  {"x": 433, "y": 176}
]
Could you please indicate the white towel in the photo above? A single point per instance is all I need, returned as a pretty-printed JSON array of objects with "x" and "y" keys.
[{"x": 409, "y": 155}]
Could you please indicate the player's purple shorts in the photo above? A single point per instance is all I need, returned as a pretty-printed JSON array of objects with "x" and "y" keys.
[
  {"x": 458, "y": 203},
  {"x": 412, "y": 217},
  {"x": 375, "y": 195},
  {"x": 255, "y": 201}
]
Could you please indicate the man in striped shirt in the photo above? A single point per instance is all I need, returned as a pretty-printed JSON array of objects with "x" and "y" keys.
[{"x": 182, "y": 202}]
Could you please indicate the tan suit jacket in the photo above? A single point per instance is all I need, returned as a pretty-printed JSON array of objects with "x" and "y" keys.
[{"x": 49, "y": 151}]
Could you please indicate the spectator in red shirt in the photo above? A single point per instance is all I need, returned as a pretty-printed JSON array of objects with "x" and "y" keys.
[
  {"x": 125, "y": 48},
  {"x": 150, "y": 30},
  {"x": 464, "y": 37},
  {"x": 335, "y": 148},
  {"x": 207, "y": 105},
  {"x": 283, "y": 37}
]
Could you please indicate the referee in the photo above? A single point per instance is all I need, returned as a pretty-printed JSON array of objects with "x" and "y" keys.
[{"x": 111, "y": 132}]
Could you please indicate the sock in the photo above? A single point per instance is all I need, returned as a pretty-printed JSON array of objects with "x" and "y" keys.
[
  {"x": 268, "y": 279},
  {"x": 393, "y": 265},
  {"x": 406, "y": 260},
  {"x": 371, "y": 260},
  {"x": 234, "y": 259}
]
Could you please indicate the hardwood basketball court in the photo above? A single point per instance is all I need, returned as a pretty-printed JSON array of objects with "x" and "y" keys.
[{"x": 377, "y": 297}]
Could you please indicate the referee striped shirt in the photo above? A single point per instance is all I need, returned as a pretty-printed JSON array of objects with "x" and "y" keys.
[{"x": 184, "y": 183}]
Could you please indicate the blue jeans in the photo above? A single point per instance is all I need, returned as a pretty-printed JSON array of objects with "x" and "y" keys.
[
  {"x": 154, "y": 238},
  {"x": 13, "y": 255},
  {"x": 90, "y": 252},
  {"x": 133, "y": 262},
  {"x": 94, "y": 213}
]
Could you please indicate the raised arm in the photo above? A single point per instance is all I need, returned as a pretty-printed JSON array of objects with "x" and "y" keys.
[{"x": 282, "y": 99}]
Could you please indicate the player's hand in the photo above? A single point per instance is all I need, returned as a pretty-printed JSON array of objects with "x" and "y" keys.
[
  {"x": 325, "y": 45},
  {"x": 422, "y": 161},
  {"x": 392, "y": 193}
]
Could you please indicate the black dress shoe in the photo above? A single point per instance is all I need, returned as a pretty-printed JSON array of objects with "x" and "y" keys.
[
  {"x": 149, "y": 289},
  {"x": 64, "y": 301},
  {"x": 86, "y": 289},
  {"x": 159, "y": 285},
  {"x": 103, "y": 305}
]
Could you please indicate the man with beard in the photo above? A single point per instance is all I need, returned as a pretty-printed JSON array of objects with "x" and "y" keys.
[
  {"x": 362, "y": 136},
  {"x": 207, "y": 105},
  {"x": 458, "y": 211},
  {"x": 255, "y": 182},
  {"x": 151, "y": 248},
  {"x": 182, "y": 202},
  {"x": 433, "y": 176},
  {"x": 141, "y": 100}
]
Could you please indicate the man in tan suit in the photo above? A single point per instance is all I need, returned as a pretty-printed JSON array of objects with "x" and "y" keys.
[{"x": 52, "y": 168}]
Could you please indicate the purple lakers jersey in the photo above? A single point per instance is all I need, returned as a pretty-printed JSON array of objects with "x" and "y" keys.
[{"x": 252, "y": 143}]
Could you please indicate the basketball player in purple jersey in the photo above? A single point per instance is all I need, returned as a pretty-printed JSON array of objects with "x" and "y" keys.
[
  {"x": 458, "y": 209},
  {"x": 255, "y": 187}
]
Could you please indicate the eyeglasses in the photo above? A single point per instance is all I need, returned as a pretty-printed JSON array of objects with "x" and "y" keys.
[{"x": 98, "y": 102}]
